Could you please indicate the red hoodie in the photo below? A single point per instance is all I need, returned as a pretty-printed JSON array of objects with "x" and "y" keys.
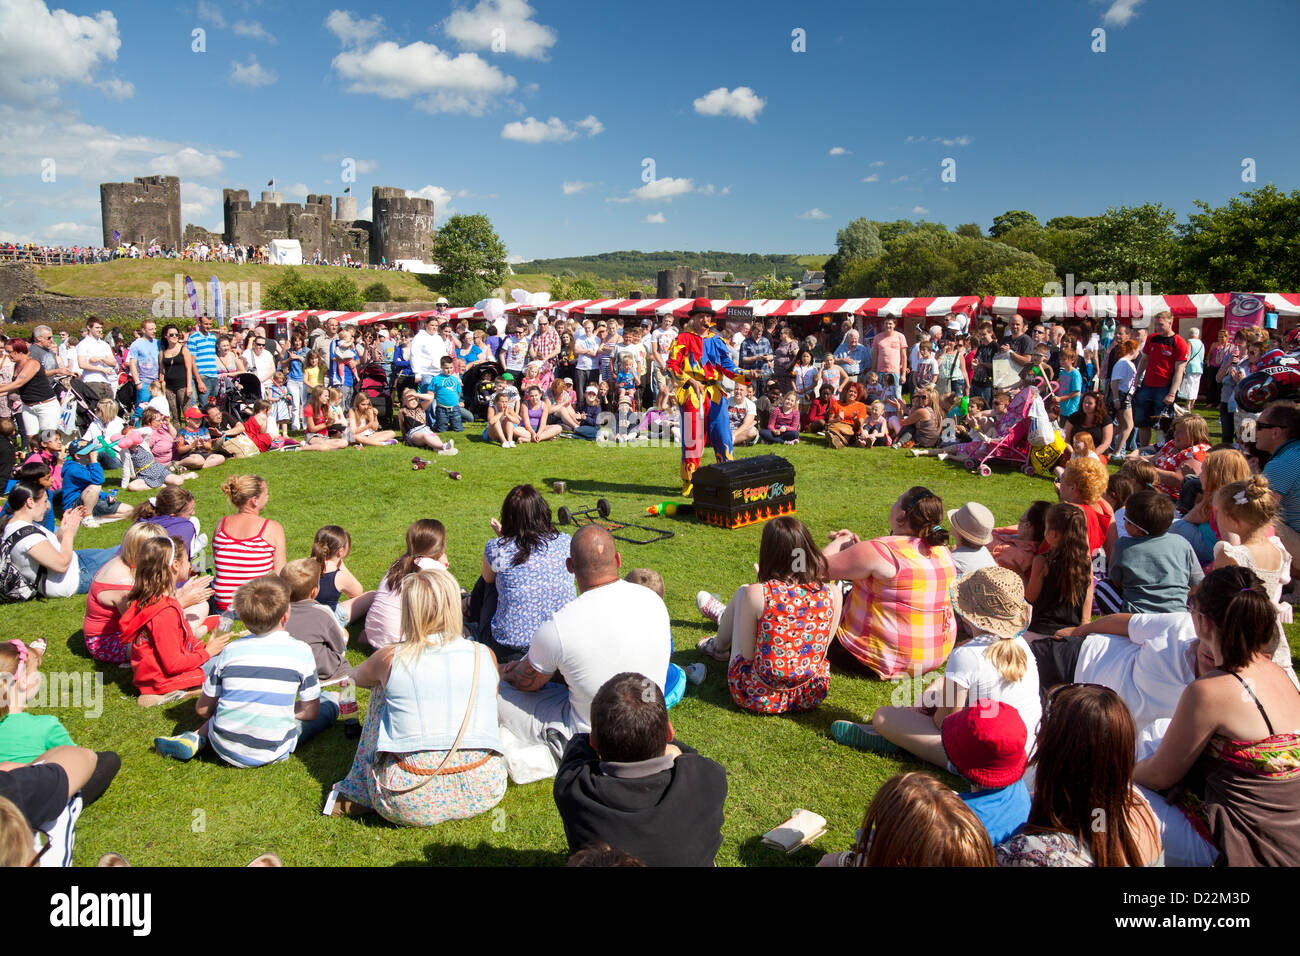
[{"x": 165, "y": 654}]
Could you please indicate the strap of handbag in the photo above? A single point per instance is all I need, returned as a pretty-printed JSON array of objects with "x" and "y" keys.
[{"x": 464, "y": 725}]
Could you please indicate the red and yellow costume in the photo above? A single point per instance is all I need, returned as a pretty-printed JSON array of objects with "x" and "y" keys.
[{"x": 698, "y": 363}]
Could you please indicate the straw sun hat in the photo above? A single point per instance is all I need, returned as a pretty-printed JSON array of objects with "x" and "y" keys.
[{"x": 992, "y": 601}]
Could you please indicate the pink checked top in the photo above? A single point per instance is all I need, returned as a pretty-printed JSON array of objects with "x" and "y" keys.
[{"x": 904, "y": 625}]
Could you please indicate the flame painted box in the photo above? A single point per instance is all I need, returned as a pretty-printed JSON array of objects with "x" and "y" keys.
[{"x": 733, "y": 494}]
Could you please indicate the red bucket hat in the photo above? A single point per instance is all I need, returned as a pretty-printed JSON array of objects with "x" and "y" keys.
[
  {"x": 986, "y": 743},
  {"x": 701, "y": 305}
]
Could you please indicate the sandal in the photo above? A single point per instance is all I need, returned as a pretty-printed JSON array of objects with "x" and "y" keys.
[
  {"x": 709, "y": 648},
  {"x": 862, "y": 737}
]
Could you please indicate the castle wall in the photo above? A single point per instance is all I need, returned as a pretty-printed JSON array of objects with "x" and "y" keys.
[
  {"x": 148, "y": 208},
  {"x": 402, "y": 227}
]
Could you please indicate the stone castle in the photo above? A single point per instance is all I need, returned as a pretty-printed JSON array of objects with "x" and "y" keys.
[{"x": 150, "y": 209}]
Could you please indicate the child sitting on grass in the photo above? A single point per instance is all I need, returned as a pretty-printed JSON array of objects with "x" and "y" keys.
[
  {"x": 818, "y": 409},
  {"x": 83, "y": 484},
  {"x": 313, "y": 623},
  {"x": 675, "y": 682},
  {"x": 1152, "y": 571},
  {"x": 630, "y": 785},
  {"x": 168, "y": 659},
  {"x": 340, "y": 591},
  {"x": 972, "y": 527},
  {"x": 1060, "y": 581},
  {"x": 1016, "y": 547},
  {"x": 261, "y": 697},
  {"x": 876, "y": 430},
  {"x": 24, "y": 736}
]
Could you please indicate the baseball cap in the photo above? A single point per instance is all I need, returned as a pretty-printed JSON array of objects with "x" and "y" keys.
[
  {"x": 193, "y": 412},
  {"x": 593, "y": 389}
]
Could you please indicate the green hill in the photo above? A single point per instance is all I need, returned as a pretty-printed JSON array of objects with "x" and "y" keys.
[{"x": 633, "y": 264}]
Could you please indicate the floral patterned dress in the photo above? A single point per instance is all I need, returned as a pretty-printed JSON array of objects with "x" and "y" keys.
[
  {"x": 1170, "y": 458},
  {"x": 789, "y": 671}
]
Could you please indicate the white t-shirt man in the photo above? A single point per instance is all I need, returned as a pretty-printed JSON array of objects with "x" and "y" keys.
[
  {"x": 969, "y": 667},
  {"x": 1149, "y": 669},
  {"x": 427, "y": 351},
  {"x": 57, "y": 585},
  {"x": 90, "y": 348},
  {"x": 614, "y": 628}
]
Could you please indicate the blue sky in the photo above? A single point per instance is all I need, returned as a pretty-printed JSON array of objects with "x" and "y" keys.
[{"x": 542, "y": 115}]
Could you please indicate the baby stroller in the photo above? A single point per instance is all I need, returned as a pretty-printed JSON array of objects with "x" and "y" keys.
[
  {"x": 83, "y": 403},
  {"x": 478, "y": 385},
  {"x": 239, "y": 395},
  {"x": 1026, "y": 437},
  {"x": 373, "y": 381}
]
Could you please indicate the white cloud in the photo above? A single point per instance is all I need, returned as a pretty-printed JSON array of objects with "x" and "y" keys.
[
  {"x": 251, "y": 73},
  {"x": 655, "y": 218},
  {"x": 899, "y": 179},
  {"x": 665, "y": 189},
  {"x": 945, "y": 140},
  {"x": 185, "y": 162},
  {"x": 41, "y": 49},
  {"x": 530, "y": 89},
  {"x": 441, "y": 197},
  {"x": 742, "y": 102},
  {"x": 519, "y": 34},
  {"x": 574, "y": 186},
  {"x": 1120, "y": 12},
  {"x": 515, "y": 259},
  {"x": 873, "y": 178},
  {"x": 877, "y": 164},
  {"x": 840, "y": 151},
  {"x": 726, "y": 190},
  {"x": 919, "y": 210},
  {"x": 197, "y": 200},
  {"x": 353, "y": 31},
  {"x": 253, "y": 30},
  {"x": 116, "y": 88},
  {"x": 367, "y": 214},
  {"x": 591, "y": 125},
  {"x": 211, "y": 13},
  {"x": 68, "y": 230},
  {"x": 367, "y": 165},
  {"x": 814, "y": 213},
  {"x": 554, "y": 130},
  {"x": 442, "y": 83},
  {"x": 534, "y": 130},
  {"x": 299, "y": 190}
]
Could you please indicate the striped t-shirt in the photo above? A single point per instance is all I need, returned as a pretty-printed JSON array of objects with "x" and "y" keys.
[
  {"x": 257, "y": 682},
  {"x": 204, "y": 349}
]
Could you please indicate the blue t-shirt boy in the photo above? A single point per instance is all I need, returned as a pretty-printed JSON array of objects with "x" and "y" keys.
[{"x": 446, "y": 389}]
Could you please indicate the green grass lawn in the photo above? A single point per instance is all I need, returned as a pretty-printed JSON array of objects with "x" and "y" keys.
[
  {"x": 134, "y": 278},
  {"x": 205, "y": 813}
]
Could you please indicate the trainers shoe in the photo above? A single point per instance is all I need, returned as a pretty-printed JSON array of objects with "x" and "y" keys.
[
  {"x": 861, "y": 737},
  {"x": 180, "y": 747},
  {"x": 449, "y": 450},
  {"x": 696, "y": 673},
  {"x": 710, "y": 605},
  {"x": 90, "y": 521}
]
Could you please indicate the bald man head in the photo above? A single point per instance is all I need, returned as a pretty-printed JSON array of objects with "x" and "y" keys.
[{"x": 593, "y": 557}]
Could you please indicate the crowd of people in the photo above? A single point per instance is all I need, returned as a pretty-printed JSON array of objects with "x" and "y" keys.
[
  {"x": 196, "y": 251},
  {"x": 1120, "y": 647}
]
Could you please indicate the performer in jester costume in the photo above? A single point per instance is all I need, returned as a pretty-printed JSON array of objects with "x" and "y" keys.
[{"x": 698, "y": 360}]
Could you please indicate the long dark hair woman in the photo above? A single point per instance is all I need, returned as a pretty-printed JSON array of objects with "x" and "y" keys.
[
  {"x": 1086, "y": 810},
  {"x": 523, "y": 580},
  {"x": 898, "y": 618},
  {"x": 1229, "y": 759}
]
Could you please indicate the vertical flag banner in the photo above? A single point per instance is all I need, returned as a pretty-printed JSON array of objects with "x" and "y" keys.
[
  {"x": 214, "y": 284},
  {"x": 193, "y": 295},
  {"x": 1244, "y": 311},
  {"x": 116, "y": 235}
]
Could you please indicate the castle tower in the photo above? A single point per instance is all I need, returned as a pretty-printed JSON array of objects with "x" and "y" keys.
[
  {"x": 345, "y": 208},
  {"x": 149, "y": 208},
  {"x": 402, "y": 226}
]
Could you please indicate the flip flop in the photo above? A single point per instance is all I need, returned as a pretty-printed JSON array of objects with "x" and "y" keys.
[
  {"x": 709, "y": 648},
  {"x": 862, "y": 737}
]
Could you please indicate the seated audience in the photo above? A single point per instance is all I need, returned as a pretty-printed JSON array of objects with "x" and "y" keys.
[
  {"x": 1229, "y": 754},
  {"x": 1151, "y": 571},
  {"x": 1016, "y": 547},
  {"x": 898, "y": 617},
  {"x": 426, "y": 548},
  {"x": 1083, "y": 765},
  {"x": 313, "y": 623},
  {"x": 776, "y": 633},
  {"x": 578, "y": 642},
  {"x": 430, "y": 750},
  {"x": 1060, "y": 584},
  {"x": 913, "y": 821},
  {"x": 972, "y": 527},
  {"x": 47, "y": 563},
  {"x": 245, "y": 545},
  {"x": 261, "y": 696},
  {"x": 340, "y": 591},
  {"x": 986, "y": 744},
  {"x": 629, "y": 784},
  {"x": 1221, "y": 467},
  {"x": 1182, "y": 455}
]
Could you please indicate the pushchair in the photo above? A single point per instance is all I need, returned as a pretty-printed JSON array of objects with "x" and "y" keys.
[
  {"x": 83, "y": 402},
  {"x": 238, "y": 393},
  {"x": 479, "y": 384},
  {"x": 373, "y": 381},
  {"x": 1025, "y": 437}
]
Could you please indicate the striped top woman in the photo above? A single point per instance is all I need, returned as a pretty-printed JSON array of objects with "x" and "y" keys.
[{"x": 245, "y": 545}]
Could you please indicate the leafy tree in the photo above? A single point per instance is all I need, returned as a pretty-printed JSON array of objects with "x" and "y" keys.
[
  {"x": 860, "y": 239},
  {"x": 467, "y": 246},
  {"x": 294, "y": 292},
  {"x": 770, "y": 287},
  {"x": 559, "y": 290},
  {"x": 1251, "y": 244},
  {"x": 1019, "y": 279},
  {"x": 467, "y": 290},
  {"x": 582, "y": 289},
  {"x": 377, "y": 292},
  {"x": 1130, "y": 244},
  {"x": 1010, "y": 219},
  {"x": 970, "y": 230}
]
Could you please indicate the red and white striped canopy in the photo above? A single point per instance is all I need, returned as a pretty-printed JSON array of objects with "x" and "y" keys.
[{"x": 1206, "y": 305}]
